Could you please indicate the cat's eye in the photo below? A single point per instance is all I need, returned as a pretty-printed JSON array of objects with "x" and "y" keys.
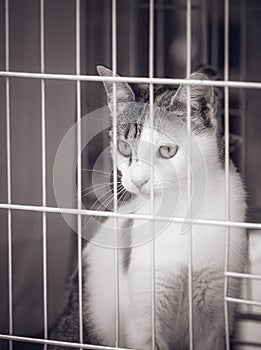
[
  {"x": 124, "y": 148},
  {"x": 168, "y": 151}
]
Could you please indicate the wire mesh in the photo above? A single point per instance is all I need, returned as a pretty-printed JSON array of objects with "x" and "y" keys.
[
  {"x": 227, "y": 165},
  {"x": 152, "y": 141},
  {"x": 43, "y": 127},
  {"x": 115, "y": 177},
  {"x": 79, "y": 169},
  {"x": 189, "y": 184},
  {"x": 79, "y": 212},
  {"x": 8, "y": 156}
]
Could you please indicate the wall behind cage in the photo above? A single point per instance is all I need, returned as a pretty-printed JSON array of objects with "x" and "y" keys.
[{"x": 26, "y": 162}]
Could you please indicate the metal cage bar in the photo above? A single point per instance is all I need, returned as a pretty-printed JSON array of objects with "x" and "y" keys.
[
  {"x": 8, "y": 157},
  {"x": 141, "y": 80},
  {"x": 227, "y": 163},
  {"x": 204, "y": 32},
  {"x": 250, "y": 225},
  {"x": 243, "y": 275},
  {"x": 214, "y": 35},
  {"x": 43, "y": 130},
  {"x": 243, "y": 301},
  {"x": 115, "y": 175},
  {"x": 151, "y": 122},
  {"x": 243, "y": 67},
  {"x": 189, "y": 184},
  {"x": 58, "y": 343},
  {"x": 79, "y": 167},
  {"x": 243, "y": 110}
]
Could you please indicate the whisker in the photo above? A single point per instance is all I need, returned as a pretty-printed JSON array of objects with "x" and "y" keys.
[
  {"x": 103, "y": 204},
  {"x": 121, "y": 197},
  {"x": 110, "y": 199},
  {"x": 104, "y": 194},
  {"x": 97, "y": 171},
  {"x": 95, "y": 187},
  {"x": 99, "y": 207},
  {"x": 106, "y": 202},
  {"x": 119, "y": 193},
  {"x": 86, "y": 191},
  {"x": 125, "y": 198}
]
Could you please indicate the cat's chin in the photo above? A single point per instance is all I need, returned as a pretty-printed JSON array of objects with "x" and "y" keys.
[
  {"x": 146, "y": 193},
  {"x": 143, "y": 192},
  {"x": 139, "y": 193}
]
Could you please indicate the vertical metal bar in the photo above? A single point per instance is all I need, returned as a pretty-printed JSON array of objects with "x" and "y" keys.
[
  {"x": 8, "y": 157},
  {"x": 43, "y": 127},
  {"x": 242, "y": 94},
  {"x": 190, "y": 271},
  {"x": 115, "y": 196},
  {"x": 151, "y": 107},
  {"x": 160, "y": 39},
  {"x": 204, "y": 21},
  {"x": 214, "y": 34},
  {"x": 107, "y": 41},
  {"x": 243, "y": 62},
  {"x": 132, "y": 37},
  {"x": 227, "y": 161},
  {"x": 79, "y": 167}
]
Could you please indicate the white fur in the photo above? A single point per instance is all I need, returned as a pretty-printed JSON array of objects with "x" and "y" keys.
[{"x": 171, "y": 249}]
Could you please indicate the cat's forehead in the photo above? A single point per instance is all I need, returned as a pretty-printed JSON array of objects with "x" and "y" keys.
[
  {"x": 130, "y": 122},
  {"x": 134, "y": 124},
  {"x": 153, "y": 135}
]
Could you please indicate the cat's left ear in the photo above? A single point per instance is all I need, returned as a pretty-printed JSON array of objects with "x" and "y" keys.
[
  {"x": 124, "y": 93},
  {"x": 202, "y": 99}
]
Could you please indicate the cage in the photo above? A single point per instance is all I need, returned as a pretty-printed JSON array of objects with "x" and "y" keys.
[{"x": 49, "y": 53}]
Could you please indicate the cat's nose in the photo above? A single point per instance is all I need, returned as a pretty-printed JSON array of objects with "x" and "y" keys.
[{"x": 140, "y": 174}]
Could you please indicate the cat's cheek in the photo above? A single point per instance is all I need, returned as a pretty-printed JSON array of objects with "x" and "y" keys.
[
  {"x": 123, "y": 167},
  {"x": 128, "y": 185},
  {"x": 125, "y": 178},
  {"x": 122, "y": 163}
]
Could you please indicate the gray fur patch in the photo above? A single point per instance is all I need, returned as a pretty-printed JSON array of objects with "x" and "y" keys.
[{"x": 208, "y": 308}]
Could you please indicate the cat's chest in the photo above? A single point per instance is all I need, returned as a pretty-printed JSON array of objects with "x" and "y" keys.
[
  {"x": 169, "y": 242},
  {"x": 168, "y": 236}
]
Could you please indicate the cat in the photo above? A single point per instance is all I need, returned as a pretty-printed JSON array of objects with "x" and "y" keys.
[{"x": 165, "y": 144}]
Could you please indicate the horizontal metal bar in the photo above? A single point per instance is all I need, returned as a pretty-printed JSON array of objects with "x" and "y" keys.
[
  {"x": 58, "y": 343},
  {"x": 130, "y": 216},
  {"x": 142, "y": 80},
  {"x": 248, "y": 316},
  {"x": 243, "y": 301},
  {"x": 246, "y": 343},
  {"x": 243, "y": 275}
]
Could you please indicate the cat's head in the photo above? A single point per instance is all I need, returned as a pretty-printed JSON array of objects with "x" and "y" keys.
[{"x": 164, "y": 145}]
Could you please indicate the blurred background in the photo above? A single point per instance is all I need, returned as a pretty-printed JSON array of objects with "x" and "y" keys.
[{"x": 132, "y": 60}]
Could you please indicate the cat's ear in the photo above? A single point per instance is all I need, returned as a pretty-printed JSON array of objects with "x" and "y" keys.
[
  {"x": 124, "y": 93},
  {"x": 202, "y": 98},
  {"x": 197, "y": 92}
]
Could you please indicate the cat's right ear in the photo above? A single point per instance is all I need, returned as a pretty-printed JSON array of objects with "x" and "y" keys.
[{"x": 124, "y": 93}]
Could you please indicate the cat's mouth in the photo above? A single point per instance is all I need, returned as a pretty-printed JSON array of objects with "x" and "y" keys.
[
  {"x": 144, "y": 190},
  {"x": 131, "y": 188}
]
